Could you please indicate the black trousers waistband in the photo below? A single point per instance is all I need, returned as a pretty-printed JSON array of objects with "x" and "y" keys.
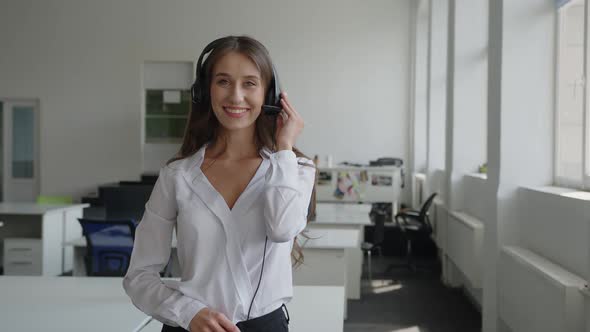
[{"x": 275, "y": 321}]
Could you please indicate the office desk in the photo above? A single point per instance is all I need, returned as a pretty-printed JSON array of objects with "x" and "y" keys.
[
  {"x": 50, "y": 224},
  {"x": 100, "y": 304},
  {"x": 66, "y": 304},
  {"x": 325, "y": 260},
  {"x": 346, "y": 216}
]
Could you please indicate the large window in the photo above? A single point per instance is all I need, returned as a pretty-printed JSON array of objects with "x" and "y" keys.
[{"x": 572, "y": 167}]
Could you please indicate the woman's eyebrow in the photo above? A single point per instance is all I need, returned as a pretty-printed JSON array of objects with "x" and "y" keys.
[{"x": 247, "y": 76}]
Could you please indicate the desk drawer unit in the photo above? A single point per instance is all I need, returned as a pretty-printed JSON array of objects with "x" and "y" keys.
[{"x": 22, "y": 256}]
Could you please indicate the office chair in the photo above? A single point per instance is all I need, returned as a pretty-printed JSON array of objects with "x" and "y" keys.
[
  {"x": 378, "y": 234},
  {"x": 414, "y": 225},
  {"x": 109, "y": 246}
]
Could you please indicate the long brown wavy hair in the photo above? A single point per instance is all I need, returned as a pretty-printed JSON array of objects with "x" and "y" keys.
[{"x": 203, "y": 127}]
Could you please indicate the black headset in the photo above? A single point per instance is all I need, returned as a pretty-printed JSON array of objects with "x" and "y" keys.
[{"x": 200, "y": 93}]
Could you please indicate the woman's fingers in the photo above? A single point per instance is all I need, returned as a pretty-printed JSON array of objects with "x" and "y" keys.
[
  {"x": 226, "y": 324},
  {"x": 280, "y": 120},
  {"x": 216, "y": 327},
  {"x": 286, "y": 107},
  {"x": 286, "y": 104}
]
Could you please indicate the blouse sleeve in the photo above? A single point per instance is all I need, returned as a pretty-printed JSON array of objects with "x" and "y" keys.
[
  {"x": 151, "y": 252},
  {"x": 289, "y": 185}
]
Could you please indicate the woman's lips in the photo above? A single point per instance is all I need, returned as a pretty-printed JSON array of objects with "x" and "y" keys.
[{"x": 236, "y": 112}]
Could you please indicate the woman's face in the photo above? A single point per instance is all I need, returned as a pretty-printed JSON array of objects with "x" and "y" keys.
[{"x": 237, "y": 91}]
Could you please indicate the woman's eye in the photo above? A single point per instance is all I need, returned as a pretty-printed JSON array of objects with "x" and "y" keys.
[
  {"x": 222, "y": 82},
  {"x": 250, "y": 83}
]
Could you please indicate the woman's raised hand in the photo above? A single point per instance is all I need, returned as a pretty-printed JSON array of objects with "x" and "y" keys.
[{"x": 289, "y": 125}]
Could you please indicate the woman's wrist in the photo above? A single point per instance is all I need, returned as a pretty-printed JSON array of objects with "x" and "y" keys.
[{"x": 283, "y": 146}]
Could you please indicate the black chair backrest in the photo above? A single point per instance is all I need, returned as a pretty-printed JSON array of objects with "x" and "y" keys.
[
  {"x": 426, "y": 207},
  {"x": 149, "y": 178},
  {"x": 125, "y": 202},
  {"x": 379, "y": 232}
]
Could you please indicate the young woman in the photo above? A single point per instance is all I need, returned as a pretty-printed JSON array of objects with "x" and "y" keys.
[{"x": 238, "y": 193}]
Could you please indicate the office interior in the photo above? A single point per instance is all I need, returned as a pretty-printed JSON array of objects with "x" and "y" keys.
[{"x": 483, "y": 103}]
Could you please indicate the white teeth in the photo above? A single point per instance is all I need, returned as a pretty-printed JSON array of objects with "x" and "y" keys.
[{"x": 235, "y": 110}]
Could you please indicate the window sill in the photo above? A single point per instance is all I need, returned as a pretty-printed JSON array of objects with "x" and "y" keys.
[
  {"x": 563, "y": 192},
  {"x": 482, "y": 176}
]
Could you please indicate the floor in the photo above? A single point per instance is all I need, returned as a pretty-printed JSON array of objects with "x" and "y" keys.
[{"x": 404, "y": 301}]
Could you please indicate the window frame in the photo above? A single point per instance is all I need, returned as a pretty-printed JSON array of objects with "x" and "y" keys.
[
  {"x": 586, "y": 112},
  {"x": 584, "y": 183}
]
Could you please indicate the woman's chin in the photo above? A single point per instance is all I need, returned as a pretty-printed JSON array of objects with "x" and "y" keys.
[{"x": 237, "y": 124}]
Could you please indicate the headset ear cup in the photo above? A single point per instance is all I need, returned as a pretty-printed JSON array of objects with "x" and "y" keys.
[
  {"x": 196, "y": 93},
  {"x": 269, "y": 98},
  {"x": 275, "y": 89}
]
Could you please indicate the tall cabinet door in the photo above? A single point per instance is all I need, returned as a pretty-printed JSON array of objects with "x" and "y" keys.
[{"x": 20, "y": 151}]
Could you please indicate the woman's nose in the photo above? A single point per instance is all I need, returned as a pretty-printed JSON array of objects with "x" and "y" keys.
[{"x": 237, "y": 95}]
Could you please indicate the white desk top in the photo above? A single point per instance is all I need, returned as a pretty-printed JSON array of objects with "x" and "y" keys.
[
  {"x": 342, "y": 214},
  {"x": 388, "y": 168},
  {"x": 66, "y": 304},
  {"x": 344, "y": 207},
  {"x": 87, "y": 304},
  {"x": 36, "y": 209},
  {"x": 333, "y": 238}
]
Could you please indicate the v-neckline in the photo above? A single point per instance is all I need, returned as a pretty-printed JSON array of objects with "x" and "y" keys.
[{"x": 240, "y": 196}]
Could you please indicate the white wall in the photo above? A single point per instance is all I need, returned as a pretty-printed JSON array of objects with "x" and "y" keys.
[
  {"x": 420, "y": 87},
  {"x": 436, "y": 96},
  {"x": 520, "y": 121},
  {"x": 457, "y": 95},
  {"x": 344, "y": 64},
  {"x": 466, "y": 94},
  {"x": 437, "y": 83}
]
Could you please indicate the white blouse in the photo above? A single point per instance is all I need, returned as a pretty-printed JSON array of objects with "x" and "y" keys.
[{"x": 219, "y": 250}]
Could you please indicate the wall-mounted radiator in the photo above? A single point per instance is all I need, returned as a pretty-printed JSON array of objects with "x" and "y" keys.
[
  {"x": 439, "y": 220},
  {"x": 464, "y": 245},
  {"x": 537, "y": 295}
]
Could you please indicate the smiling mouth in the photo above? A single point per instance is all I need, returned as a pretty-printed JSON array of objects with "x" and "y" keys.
[{"x": 234, "y": 110}]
